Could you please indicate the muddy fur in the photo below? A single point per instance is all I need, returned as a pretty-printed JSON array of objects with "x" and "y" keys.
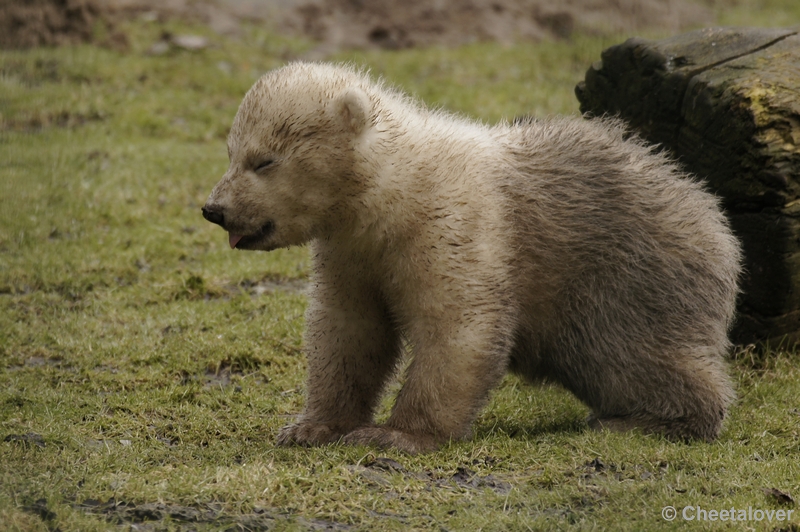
[{"x": 553, "y": 248}]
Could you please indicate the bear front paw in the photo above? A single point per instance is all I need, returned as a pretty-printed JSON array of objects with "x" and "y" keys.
[
  {"x": 386, "y": 437},
  {"x": 308, "y": 434}
]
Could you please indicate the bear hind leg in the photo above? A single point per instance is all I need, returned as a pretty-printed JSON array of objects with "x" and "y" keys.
[
  {"x": 686, "y": 399},
  {"x": 705, "y": 428}
]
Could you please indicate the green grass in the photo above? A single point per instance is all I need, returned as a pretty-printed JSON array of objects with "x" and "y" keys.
[{"x": 145, "y": 368}]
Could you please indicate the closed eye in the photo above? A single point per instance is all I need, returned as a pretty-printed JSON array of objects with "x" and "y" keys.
[{"x": 264, "y": 164}]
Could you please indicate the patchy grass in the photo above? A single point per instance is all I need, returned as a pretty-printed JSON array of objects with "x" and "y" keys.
[{"x": 145, "y": 368}]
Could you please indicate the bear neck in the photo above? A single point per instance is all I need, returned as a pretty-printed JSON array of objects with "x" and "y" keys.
[{"x": 408, "y": 165}]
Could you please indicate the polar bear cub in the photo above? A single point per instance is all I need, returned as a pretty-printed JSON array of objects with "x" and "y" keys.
[{"x": 562, "y": 249}]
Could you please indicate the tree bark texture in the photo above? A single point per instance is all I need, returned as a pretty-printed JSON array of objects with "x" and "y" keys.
[{"x": 726, "y": 103}]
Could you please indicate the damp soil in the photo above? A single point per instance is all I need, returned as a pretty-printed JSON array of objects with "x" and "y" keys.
[
  {"x": 376, "y": 472},
  {"x": 340, "y": 24}
]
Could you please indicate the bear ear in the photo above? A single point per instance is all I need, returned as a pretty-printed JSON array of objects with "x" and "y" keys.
[{"x": 352, "y": 107}]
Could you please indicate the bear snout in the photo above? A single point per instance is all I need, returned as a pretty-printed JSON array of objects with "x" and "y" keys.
[{"x": 213, "y": 213}]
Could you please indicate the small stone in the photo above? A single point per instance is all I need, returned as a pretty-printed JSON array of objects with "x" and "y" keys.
[
  {"x": 159, "y": 48},
  {"x": 190, "y": 42}
]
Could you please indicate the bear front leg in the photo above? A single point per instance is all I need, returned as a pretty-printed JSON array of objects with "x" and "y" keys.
[
  {"x": 352, "y": 349},
  {"x": 449, "y": 380}
]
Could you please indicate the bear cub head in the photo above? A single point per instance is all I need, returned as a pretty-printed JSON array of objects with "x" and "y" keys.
[{"x": 292, "y": 156}]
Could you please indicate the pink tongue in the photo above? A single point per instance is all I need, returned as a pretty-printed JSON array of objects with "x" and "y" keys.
[{"x": 234, "y": 239}]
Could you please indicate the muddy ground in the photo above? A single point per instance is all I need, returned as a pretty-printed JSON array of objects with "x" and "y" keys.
[{"x": 338, "y": 24}]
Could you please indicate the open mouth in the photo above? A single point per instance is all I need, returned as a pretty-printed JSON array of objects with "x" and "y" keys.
[{"x": 252, "y": 241}]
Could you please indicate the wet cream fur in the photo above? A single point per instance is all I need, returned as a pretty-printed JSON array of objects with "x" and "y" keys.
[{"x": 560, "y": 249}]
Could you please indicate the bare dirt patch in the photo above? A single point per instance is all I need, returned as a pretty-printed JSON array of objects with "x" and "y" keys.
[
  {"x": 338, "y": 24},
  {"x": 152, "y": 516},
  {"x": 55, "y": 23},
  {"x": 390, "y": 24},
  {"x": 376, "y": 472}
]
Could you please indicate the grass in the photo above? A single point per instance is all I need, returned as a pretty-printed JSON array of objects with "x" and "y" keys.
[{"x": 145, "y": 368}]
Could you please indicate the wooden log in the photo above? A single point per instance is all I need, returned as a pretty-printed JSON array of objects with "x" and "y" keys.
[{"x": 726, "y": 102}]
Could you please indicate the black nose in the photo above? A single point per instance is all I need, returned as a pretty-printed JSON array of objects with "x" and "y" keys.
[{"x": 214, "y": 215}]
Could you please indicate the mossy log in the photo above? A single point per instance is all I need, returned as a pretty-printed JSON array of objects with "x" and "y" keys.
[{"x": 726, "y": 102}]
